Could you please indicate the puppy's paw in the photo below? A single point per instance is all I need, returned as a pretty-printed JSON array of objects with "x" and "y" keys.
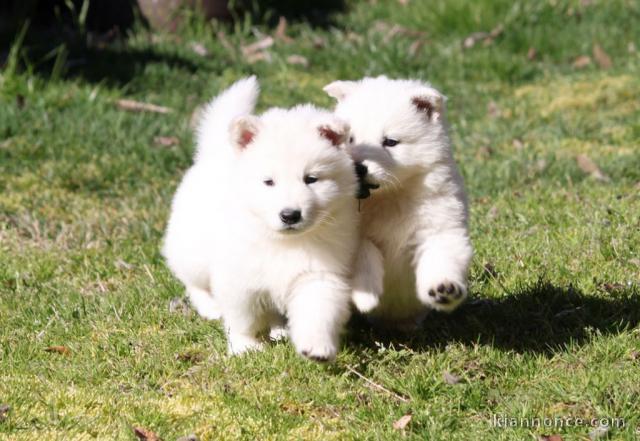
[
  {"x": 444, "y": 295},
  {"x": 278, "y": 333},
  {"x": 364, "y": 301},
  {"x": 318, "y": 348},
  {"x": 321, "y": 354},
  {"x": 239, "y": 344}
]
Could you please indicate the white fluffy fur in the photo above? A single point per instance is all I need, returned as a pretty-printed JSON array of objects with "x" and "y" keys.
[
  {"x": 226, "y": 242},
  {"x": 415, "y": 241}
]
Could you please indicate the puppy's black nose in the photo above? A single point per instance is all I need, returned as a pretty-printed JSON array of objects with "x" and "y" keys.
[
  {"x": 290, "y": 217},
  {"x": 361, "y": 170}
]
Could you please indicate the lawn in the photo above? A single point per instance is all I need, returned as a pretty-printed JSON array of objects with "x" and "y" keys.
[{"x": 545, "y": 117}]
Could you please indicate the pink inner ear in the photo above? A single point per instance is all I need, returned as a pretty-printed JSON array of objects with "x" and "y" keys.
[
  {"x": 334, "y": 137},
  {"x": 423, "y": 105},
  {"x": 246, "y": 136}
]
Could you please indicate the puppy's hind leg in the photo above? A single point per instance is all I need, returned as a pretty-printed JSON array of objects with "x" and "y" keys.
[
  {"x": 204, "y": 303},
  {"x": 368, "y": 277}
]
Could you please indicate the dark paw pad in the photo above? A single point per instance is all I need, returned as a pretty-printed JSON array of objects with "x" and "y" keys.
[{"x": 317, "y": 358}]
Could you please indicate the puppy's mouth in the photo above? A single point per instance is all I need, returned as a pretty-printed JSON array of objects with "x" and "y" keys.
[
  {"x": 305, "y": 226},
  {"x": 294, "y": 229}
]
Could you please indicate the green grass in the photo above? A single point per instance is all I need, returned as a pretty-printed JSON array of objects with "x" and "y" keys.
[{"x": 553, "y": 326}]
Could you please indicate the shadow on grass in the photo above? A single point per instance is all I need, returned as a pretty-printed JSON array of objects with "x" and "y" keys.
[
  {"x": 319, "y": 13},
  {"x": 542, "y": 318},
  {"x": 117, "y": 67},
  {"x": 113, "y": 63}
]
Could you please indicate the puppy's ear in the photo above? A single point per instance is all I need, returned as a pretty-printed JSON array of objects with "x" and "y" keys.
[
  {"x": 336, "y": 132},
  {"x": 431, "y": 103},
  {"x": 243, "y": 130},
  {"x": 339, "y": 89}
]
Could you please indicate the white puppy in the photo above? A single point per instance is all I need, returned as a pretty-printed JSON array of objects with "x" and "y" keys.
[
  {"x": 415, "y": 251},
  {"x": 266, "y": 221}
]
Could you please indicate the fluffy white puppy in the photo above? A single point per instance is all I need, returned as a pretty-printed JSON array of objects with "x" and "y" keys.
[
  {"x": 415, "y": 250},
  {"x": 266, "y": 221}
]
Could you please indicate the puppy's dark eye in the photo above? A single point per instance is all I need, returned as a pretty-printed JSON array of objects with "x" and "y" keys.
[
  {"x": 351, "y": 140},
  {"x": 309, "y": 179},
  {"x": 389, "y": 142},
  {"x": 269, "y": 182}
]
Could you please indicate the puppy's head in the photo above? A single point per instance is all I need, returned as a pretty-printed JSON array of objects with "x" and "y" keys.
[
  {"x": 294, "y": 171},
  {"x": 398, "y": 127}
]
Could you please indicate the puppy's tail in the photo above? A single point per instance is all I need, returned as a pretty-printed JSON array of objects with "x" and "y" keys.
[{"x": 213, "y": 127}]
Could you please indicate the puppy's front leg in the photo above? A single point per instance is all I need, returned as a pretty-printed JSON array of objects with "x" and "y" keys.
[
  {"x": 318, "y": 310},
  {"x": 242, "y": 322},
  {"x": 442, "y": 267},
  {"x": 204, "y": 303},
  {"x": 368, "y": 277}
]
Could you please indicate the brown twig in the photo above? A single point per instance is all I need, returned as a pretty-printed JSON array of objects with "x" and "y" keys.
[
  {"x": 137, "y": 106},
  {"x": 378, "y": 386}
]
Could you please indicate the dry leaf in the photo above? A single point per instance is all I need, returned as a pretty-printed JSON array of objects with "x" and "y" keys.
[
  {"x": 532, "y": 53},
  {"x": 601, "y": 57},
  {"x": 416, "y": 47},
  {"x": 58, "y": 350},
  {"x": 199, "y": 49},
  {"x": 631, "y": 47},
  {"x": 190, "y": 357},
  {"x": 550, "y": 438},
  {"x": 581, "y": 62},
  {"x": 587, "y": 165},
  {"x": 121, "y": 264},
  {"x": 541, "y": 165},
  {"x": 484, "y": 152},
  {"x": 402, "y": 422},
  {"x": 4, "y": 411},
  {"x": 493, "y": 212},
  {"x": 472, "y": 39},
  {"x": 260, "y": 45},
  {"x": 485, "y": 37},
  {"x": 450, "y": 378},
  {"x": 517, "y": 144},
  {"x": 258, "y": 56},
  {"x": 319, "y": 42},
  {"x": 298, "y": 59},
  {"x": 190, "y": 437},
  {"x": 145, "y": 434},
  {"x": 355, "y": 38},
  {"x": 493, "y": 110},
  {"x": 166, "y": 141},
  {"x": 137, "y": 106},
  {"x": 391, "y": 31},
  {"x": 281, "y": 30}
]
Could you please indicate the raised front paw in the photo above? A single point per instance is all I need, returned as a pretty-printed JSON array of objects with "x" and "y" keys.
[
  {"x": 444, "y": 295},
  {"x": 364, "y": 301}
]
